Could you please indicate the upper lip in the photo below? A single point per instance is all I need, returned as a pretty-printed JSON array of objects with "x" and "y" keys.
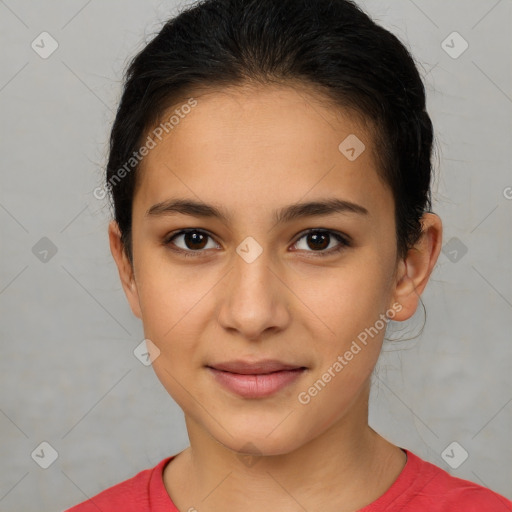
[{"x": 254, "y": 368}]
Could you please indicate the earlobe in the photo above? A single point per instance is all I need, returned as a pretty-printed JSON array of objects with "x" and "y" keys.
[
  {"x": 414, "y": 270},
  {"x": 124, "y": 267}
]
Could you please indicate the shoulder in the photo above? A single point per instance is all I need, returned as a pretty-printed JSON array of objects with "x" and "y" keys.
[
  {"x": 134, "y": 494},
  {"x": 437, "y": 490}
]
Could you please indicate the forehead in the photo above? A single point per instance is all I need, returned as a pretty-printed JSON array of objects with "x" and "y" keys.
[{"x": 255, "y": 145}]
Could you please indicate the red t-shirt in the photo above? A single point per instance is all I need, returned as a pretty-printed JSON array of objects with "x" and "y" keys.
[{"x": 420, "y": 487}]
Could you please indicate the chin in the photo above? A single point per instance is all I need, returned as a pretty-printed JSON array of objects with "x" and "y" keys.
[{"x": 257, "y": 442}]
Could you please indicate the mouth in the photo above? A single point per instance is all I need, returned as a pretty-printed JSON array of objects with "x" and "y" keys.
[{"x": 258, "y": 379}]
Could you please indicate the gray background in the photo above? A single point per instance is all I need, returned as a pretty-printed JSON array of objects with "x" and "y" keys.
[{"x": 68, "y": 373}]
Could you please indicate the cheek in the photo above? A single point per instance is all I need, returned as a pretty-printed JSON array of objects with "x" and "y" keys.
[
  {"x": 348, "y": 298},
  {"x": 351, "y": 308},
  {"x": 172, "y": 302},
  {"x": 172, "y": 299}
]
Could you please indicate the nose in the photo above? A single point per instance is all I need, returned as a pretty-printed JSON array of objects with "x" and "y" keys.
[{"x": 255, "y": 299}]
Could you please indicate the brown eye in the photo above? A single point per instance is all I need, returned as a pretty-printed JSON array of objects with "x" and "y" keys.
[
  {"x": 320, "y": 240},
  {"x": 192, "y": 240}
]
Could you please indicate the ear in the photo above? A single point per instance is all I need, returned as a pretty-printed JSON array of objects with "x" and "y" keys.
[
  {"x": 414, "y": 270},
  {"x": 124, "y": 267}
]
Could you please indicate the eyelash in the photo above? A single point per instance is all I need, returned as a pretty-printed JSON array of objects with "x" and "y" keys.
[{"x": 344, "y": 242}]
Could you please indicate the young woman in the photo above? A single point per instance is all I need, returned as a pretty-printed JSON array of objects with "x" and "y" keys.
[{"x": 270, "y": 168}]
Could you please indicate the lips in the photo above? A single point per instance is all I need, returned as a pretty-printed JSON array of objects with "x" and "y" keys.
[{"x": 258, "y": 379}]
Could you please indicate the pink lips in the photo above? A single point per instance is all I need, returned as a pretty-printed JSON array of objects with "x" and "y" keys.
[{"x": 255, "y": 380}]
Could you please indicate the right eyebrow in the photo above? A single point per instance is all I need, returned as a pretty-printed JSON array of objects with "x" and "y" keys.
[{"x": 186, "y": 207}]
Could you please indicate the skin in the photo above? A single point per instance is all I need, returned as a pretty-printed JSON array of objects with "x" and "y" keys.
[{"x": 250, "y": 152}]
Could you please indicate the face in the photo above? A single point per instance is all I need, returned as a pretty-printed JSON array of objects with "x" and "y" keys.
[{"x": 259, "y": 275}]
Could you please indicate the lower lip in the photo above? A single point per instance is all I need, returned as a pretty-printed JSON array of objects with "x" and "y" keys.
[{"x": 256, "y": 386}]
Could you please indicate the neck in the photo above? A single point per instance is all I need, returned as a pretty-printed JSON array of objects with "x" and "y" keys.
[{"x": 345, "y": 468}]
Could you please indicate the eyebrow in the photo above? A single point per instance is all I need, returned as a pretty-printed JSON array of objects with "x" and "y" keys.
[{"x": 281, "y": 216}]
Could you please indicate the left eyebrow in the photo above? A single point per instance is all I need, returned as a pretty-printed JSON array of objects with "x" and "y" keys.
[
  {"x": 314, "y": 208},
  {"x": 281, "y": 216}
]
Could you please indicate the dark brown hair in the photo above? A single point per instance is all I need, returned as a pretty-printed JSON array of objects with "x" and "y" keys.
[{"x": 330, "y": 44}]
